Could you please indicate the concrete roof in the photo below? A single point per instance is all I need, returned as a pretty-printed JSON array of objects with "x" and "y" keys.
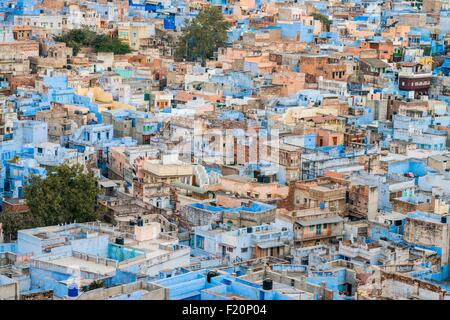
[{"x": 89, "y": 266}]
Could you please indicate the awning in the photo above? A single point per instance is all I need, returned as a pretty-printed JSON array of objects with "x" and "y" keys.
[
  {"x": 226, "y": 245},
  {"x": 270, "y": 244},
  {"x": 313, "y": 222},
  {"x": 107, "y": 184}
]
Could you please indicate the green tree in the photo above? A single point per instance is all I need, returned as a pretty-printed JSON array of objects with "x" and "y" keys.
[
  {"x": 13, "y": 222},
  {"x": 96, "y": 284},
  {"x": 203, "y": 35},
  {"x": 66, "y": 195},
  {"x": 106, "y": 44},
  {"x": 325, "y": 21},
  {"x": 85, "y": 37}
]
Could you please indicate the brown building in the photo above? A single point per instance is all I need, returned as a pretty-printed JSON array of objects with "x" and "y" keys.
[
  {"x": 362, "y": 201},
  {"x": 373, "y": 67},
  {"x": 313, "y": 64},
  {"x": 323, "y": 192},
  {"x": 322, "y": 65},
  {"x": 412, "y": 77},
  {"x": 314, "y": 226},
  {"x": 407, "y": 108},
  {"x": 384, "y": 49},
  {"x": 22, "y": 33},
  {"x": 287, "y": 156},
  {"x": 409, "y": 205},
  {"x": 354, "y": 137},
  {"x": 428, "y": 229},
  {"x": 63, "y": 120}
]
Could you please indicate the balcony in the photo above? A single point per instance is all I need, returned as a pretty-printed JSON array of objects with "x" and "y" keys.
[{"x": 415, "y": 81}]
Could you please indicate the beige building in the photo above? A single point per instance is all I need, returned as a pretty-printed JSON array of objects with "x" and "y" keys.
[
  {"x": 314, "y": 226},
  {"x": 440, "y": 162},
  {"x": 167, "y": 171},
  {"x": 324, "y": 192},
  {"x": 247, "y": 187},
  {"x": 428, "y": 229}
]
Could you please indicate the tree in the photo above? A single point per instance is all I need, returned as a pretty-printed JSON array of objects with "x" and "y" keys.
[
  {"x": 13, "y": 222},
  {"x": 105, "y": 44},
  {"x": 96, "y": 284},
  {"x": 203, "y": 35},
  {"x": 84, "y": 37},
  {"x": 325, "y": 21},
  {"x": 66, "y": 195}
]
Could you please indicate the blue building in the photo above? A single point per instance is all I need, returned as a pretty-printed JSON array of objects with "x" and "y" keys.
[
  {"x": 211, "y": 285},
  {"x": 100, "y": 136}
]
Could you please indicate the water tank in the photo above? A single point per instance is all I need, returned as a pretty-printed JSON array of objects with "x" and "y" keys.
[
  {"x": 249, "y": 229},
  {"x": 72, "y": 291},
  {"x": 444, "y": 219},
  {"x": 322, "y": 205},
  {"x": 267, "y": 284},
  {"x": 120, "y": 240}
]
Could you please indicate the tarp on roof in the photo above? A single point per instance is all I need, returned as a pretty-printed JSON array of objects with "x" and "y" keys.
[{"x": 446, "y": 63}]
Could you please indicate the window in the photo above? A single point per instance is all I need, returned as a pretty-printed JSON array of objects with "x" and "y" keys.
[
  {"x": 311, "y": 228},
  {"x": 318, "y": 229},
  {"x": 244, "y": 250},
  {"x": 39, "y": 150},
  {"x": 325, "y": 226}
]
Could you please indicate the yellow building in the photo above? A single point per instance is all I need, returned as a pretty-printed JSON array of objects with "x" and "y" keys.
[
  {"x": 292, "y": 115},
  {"x": 102, "y": 98}
]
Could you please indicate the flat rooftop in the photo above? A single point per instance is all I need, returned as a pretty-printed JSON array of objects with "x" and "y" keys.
[
  {"x": 251, "y": 206},
  {"x": 151, "y": 248},
  {"x": 84, "y": 265},
  {"x": 425, "y": 216}
]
